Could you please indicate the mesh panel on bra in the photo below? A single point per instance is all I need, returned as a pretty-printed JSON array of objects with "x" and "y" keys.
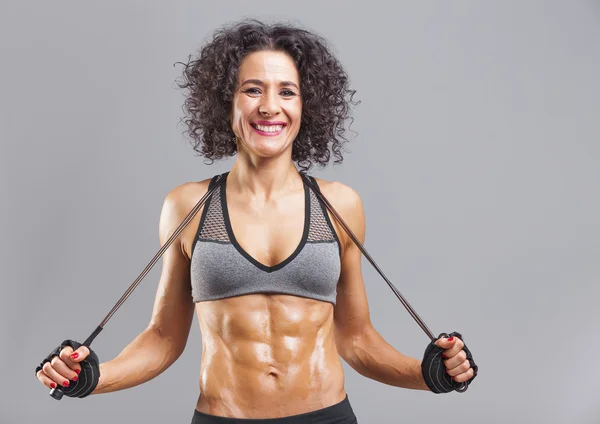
[
  {"x": 213, "y": 228},
  {"x": 319, "y": 228}
]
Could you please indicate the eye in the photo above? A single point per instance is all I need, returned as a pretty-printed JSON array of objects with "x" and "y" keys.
[
  {"x": 287, "y": 93},
  {"x": 252, "y": 90}
]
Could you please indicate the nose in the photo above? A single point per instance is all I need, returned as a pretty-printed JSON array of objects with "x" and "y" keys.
[{"x": 270, "y": 104}]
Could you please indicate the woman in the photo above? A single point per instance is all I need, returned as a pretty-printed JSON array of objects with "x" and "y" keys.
[{"x": 275, "y": 281}]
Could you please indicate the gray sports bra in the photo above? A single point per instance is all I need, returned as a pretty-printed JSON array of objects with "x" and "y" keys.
[{"x": 221, "y": 268}]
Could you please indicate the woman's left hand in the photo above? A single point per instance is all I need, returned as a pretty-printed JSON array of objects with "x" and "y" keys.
[{"x": 455, "y": 359}]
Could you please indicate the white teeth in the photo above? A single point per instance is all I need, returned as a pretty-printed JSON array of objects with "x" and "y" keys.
[{"x": 269, "y": 128}]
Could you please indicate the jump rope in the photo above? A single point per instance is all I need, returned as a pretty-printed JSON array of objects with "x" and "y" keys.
[{"x": 432, "y": 366}]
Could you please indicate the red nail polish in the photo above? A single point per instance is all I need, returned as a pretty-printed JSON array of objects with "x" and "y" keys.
[
  {"x": 75, "y": 378},
  {"x": 450, "y": 338},
  {"x": 74, "y": 355},
  {"x": 444, "y": 356},
  {"x": 53, "y": 385},
  {"x": 65, "y": 383},
  {"x": 77, "y": 371}
]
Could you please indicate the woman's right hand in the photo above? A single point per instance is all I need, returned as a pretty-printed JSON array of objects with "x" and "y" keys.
[{"x": 72, "y": 367}]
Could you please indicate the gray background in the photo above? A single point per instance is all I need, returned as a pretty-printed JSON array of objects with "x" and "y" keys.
[{"x": 477, "y": 158}]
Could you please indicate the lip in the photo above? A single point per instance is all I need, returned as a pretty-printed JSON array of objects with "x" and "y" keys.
[{"x": 270, "y": 123}]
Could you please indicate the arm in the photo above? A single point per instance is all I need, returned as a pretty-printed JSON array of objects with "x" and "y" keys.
[
  {"x": 164, "y": 340},
  {"x": 358, "y": 343}
]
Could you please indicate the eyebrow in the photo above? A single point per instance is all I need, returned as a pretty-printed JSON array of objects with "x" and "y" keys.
[{"x": 262, "y": 84}]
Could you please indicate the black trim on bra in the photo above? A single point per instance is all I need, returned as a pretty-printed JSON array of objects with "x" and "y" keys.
[
  {"x": 245, "y": 254},
  {"x": 326, "y": 214},
  {"x": 212, "y": 183}
]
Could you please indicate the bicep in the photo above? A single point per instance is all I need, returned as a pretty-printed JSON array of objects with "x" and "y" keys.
[{"x": 173, "y": 309}]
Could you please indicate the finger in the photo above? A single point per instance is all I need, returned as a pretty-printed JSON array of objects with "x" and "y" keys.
[
  {"x": 65, "y": 352},
  {"x": 445, "y": 343},
  {"x": 461, "y": 378},
  {"x": 456, "y": 360},
  {"x": 63, "y": 368},
  {"x": 462, "y": 368},
  {"x": 457, "y": 345},
  {"x": 80, "y": 354},
  {"x": 65, "y": 355},
  {"x": 57, "y": 377},
  {"x": 45, "y": 380}
]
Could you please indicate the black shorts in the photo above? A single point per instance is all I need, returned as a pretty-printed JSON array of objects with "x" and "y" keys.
[{"x": 340, "y": 413}]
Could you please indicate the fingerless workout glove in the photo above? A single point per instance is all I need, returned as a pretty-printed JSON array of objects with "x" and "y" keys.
[
  {"x": 90, "y": 371},
  {"x": 434, "y": 370}
]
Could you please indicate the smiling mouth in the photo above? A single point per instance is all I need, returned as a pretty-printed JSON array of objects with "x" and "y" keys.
[{"x": 269, "y": 129}]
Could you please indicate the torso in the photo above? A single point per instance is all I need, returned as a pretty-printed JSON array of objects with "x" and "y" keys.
[{"x": 265, "y": 355}]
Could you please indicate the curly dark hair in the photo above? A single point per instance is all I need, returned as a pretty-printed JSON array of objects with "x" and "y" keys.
[{"x": 210, "y": 79}]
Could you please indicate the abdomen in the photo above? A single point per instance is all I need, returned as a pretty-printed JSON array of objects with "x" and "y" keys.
[{"x": 268, "y": 356}]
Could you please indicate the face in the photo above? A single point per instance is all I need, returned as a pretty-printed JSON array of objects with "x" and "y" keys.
[{"x": 267, "y": 108}]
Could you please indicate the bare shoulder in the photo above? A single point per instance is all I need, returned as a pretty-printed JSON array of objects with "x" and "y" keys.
[
  {"x": 186, "y": 193},
  {"x": 179, "y": 202},
  {"x": 343, "y": 197}
]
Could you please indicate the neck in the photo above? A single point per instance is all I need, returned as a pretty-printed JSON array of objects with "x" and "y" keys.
[{"x": 262, "y": 178}]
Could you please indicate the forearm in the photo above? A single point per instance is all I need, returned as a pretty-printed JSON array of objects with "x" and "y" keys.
[
  {"x": 371, "y": 356},
  {"x": 148, "y": 355}
]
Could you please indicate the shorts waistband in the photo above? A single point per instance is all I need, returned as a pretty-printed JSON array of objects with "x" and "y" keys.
[{"x": 340, "y": 413}]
